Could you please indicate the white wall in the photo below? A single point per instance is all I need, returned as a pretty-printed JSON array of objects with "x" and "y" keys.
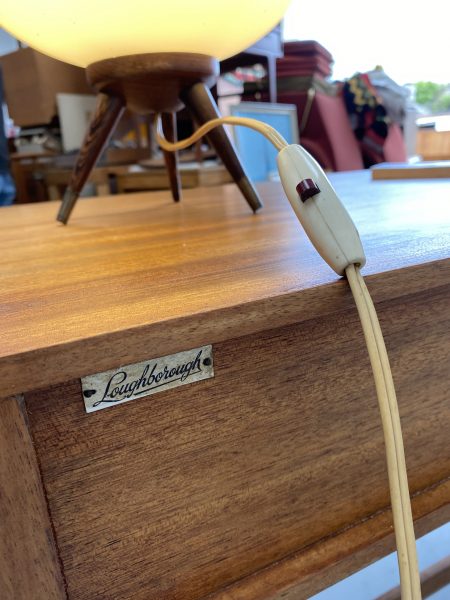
[{"x": 408, "y": 38}]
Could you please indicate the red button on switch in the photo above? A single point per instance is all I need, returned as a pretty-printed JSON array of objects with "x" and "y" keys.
[{"x": 306, "y": 189}]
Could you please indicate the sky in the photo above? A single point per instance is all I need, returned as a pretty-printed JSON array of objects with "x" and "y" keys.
[{"x": 410, "y": 40}]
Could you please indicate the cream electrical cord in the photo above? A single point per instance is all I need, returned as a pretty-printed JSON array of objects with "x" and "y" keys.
[
  {"x": 387, "y": 401},
  {"x": 395, "y": 455},
  {"x": 271, "y": 134}
]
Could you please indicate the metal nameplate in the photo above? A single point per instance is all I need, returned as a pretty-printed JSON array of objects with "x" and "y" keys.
[{"x": 149, "y": 377}]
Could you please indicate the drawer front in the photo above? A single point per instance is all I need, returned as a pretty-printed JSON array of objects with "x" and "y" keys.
[{"x": 179, "y": 494}]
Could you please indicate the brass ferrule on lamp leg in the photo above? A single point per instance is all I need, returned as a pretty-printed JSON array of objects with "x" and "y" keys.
[{"x": 69, "y": 199}]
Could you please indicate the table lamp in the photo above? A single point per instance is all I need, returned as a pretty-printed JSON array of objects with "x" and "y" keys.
[{"x": 148, "y": 56}]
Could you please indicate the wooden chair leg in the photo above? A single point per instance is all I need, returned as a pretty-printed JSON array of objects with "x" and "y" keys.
[
  {"x": 169, "y": 127},
  {"x": 107, "y": 113},
  {"x": 199, "y": 101}
]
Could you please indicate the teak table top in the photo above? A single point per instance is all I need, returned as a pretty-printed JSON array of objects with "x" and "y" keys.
[{"x": 134, "y": 270}]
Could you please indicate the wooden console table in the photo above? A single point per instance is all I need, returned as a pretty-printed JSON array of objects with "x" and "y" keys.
[{"x": 268, "y": 480}]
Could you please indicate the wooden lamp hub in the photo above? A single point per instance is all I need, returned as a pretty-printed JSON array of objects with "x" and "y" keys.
[{"x": 152, "y": 82}]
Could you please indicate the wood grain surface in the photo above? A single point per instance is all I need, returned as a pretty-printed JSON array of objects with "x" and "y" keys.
[
  {"x": 320, "y": 565},
  {"x": 183, "y": 493},
  {"x": 152, "y": 82},
  {"x": 96, "y": 291},
  {"x": 29, "y": 567},
  {"x": 420, "y": 170},
  {"x": 107, "y": 113}
]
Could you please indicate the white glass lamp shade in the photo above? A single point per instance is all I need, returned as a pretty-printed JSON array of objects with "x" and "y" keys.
[{"x": 84, "y": 31}]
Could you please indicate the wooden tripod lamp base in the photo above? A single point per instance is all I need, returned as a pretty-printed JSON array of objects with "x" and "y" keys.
[{"x": 154, "y": 83}]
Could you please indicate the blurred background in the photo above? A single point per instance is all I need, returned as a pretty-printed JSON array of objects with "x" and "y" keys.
[{"x": 359, "y": 84}]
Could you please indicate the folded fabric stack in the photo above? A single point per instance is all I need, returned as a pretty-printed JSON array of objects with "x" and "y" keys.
[
  {"x": 304, "y": 58},
  {"x": 304, "y": 65}
]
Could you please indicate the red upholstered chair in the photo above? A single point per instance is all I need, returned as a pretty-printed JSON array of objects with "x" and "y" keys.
[
  {"x": 394, "y": 148},
  {"x": 327, "y": 134}
]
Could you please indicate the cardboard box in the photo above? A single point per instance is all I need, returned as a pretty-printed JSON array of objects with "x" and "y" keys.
[{"x": 31, "y": 82}]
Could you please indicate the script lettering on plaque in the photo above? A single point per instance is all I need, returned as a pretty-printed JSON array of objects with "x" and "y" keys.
[{"x": 145, "y": 378}]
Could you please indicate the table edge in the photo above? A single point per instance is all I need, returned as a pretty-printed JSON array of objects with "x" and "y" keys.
[{"x": 46, "y": 366}]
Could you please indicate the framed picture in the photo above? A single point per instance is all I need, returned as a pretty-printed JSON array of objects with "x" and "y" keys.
[{"x": 256, "y": 152}]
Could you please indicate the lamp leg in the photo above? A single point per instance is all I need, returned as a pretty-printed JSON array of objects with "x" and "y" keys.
[
  {"x": 169, "y": 127},
  {"x": 106, "y": 115},
  {"x": 203, "y": 107}
]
